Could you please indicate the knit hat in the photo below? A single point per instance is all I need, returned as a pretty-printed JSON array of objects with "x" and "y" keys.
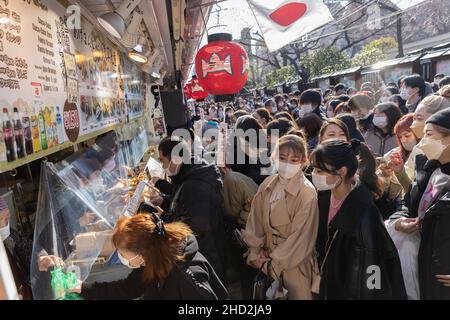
[
  {"x": 445, "y": 91},
  {"x": 435, "y": 103},
  {"x": 442, "y": 118}
]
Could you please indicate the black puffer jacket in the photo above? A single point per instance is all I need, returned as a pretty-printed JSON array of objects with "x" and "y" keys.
[
  {"x": 193, "y": 279},
  {"x": 196, "y": 199},
  {"x": 434, "y": 251},
  {"x": 361, "y": 242}
]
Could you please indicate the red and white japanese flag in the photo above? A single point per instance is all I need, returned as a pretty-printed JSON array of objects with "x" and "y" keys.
[{"x": 284, "y": 21}]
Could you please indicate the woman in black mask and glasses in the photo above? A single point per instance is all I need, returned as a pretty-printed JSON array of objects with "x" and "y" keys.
[{"x": 358, "y": 258}]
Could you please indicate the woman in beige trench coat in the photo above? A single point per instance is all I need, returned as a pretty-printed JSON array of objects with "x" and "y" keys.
[{"x": 283, "y": 221}]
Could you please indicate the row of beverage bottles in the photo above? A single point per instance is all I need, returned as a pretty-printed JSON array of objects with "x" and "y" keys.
[{"x": 29, "y": 134}]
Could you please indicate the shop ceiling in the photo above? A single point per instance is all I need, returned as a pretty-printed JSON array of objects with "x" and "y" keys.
[{"x": 174, "y": 27}]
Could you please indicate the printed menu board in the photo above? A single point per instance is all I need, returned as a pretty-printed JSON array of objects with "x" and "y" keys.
[{"x": 55, "y": 80}]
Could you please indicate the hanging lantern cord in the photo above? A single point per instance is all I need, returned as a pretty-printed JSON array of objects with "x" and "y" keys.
[{"x": 204, "y": 21}]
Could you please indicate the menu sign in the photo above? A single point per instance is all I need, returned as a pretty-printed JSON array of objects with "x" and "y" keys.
[{"x": 44, "y": 64}]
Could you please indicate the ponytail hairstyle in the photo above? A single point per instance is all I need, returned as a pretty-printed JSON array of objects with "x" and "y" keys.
[
  {"x": 333, "y": 155},
  {"x": 161, "y": 245}
]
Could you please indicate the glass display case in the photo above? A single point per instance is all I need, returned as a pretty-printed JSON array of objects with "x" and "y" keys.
[{"x": 80, "y": 200}]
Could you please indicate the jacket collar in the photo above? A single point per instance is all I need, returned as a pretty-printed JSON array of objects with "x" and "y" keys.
[{"x": 294, "y": 185}]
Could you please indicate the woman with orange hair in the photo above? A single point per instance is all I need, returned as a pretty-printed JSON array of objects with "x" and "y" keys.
[
  {"x": 400, "y": 158},
  {"x": 166, "y": 263}
]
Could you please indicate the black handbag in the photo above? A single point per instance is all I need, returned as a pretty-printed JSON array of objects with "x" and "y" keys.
[{"x": 261, "y": 284}]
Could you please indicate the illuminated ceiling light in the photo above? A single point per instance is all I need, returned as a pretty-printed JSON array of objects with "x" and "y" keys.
[
  {"x": 114, "y": 22},
  {"x": 131, "y": 36},
  {"x": 139, "y": 57}
]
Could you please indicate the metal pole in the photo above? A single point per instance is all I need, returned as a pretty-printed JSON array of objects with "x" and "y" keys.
[{"x": 400, "y": 35}]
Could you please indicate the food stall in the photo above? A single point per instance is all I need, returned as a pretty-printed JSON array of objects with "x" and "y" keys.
[
  {"x": 323, "y": 81},
  {"x": 67, "y": 86},
  {"x": 349, "y": 77},
  {"x": 436, "y": 61}
]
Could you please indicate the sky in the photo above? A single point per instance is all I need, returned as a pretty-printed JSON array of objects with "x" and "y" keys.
[{"x": 237, "y": 15}]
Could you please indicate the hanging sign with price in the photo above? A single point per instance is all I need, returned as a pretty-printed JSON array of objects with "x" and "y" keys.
[{"x": 71, "y": 120}]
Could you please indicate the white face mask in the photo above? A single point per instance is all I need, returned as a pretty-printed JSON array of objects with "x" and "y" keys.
[
  {"x": 384, "y": 99},
  {"x": 168, "y": 172},
  {"x": 330, "y": 114},
  {"x": 409, "y": 146},
  {"x": 305, "y": 109},
  {"x": 380, "y": 122},
  {"x": 274, "y": 109},
  {"x": 432, "y": 148},
  {"x": 405, "y": 94},
  {"x": 320, "y": 181},
  {"x": 5, "y": 232},
  {"x": 287, "y": 170},
  {"x": 126, "y": 262}
]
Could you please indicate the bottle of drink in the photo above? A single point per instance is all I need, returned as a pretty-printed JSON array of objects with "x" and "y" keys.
[
  {"x": 57, "y": 283},
  {"x": 35, "y": 132},
  {"x": 27, "y": 133},
  {"x": 8, "y": 136},
  {"x": 54, "y": 128},
  {"x": 48, "y": 127},
  {"x": 2, "y": 146},
  {"x": 59, "y": 125},
  {"x": 42, "y": 130},
  {"x": 18, "y": 134}
]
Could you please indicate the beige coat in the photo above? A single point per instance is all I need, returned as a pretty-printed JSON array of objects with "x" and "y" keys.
[
  {"x": 238, "y": 192},
  {"x": 288, "y": 232}
]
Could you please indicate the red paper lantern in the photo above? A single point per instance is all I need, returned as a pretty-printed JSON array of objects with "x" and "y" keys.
[
  {"x": 196, "y": 91},
  {"x": 222, "y": 65}
]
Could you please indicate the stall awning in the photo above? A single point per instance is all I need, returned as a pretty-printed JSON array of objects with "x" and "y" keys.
[
  {"x": 322, "y": 76},
  {"x": 436, "y": 54},
  {"x": 410, "y": 59},
  {"x": 389, "y": 63},
  {"x": 346, "y": 71}
]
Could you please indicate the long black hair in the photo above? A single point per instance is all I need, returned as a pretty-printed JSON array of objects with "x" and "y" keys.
[{"x": 333, "y": 155}]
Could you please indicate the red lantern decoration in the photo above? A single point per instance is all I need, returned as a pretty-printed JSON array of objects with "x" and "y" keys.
[
  {"x": 222, "y": 65},
  {"x": 196, "y": 91}
]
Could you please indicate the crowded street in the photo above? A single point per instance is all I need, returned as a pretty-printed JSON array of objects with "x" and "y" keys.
[{"x": 225, "y": 150}]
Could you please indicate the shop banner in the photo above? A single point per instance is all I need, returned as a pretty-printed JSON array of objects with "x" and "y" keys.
[{"x": 46, "y": 66}]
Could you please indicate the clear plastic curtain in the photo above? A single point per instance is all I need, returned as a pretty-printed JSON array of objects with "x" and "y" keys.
[{"x": 80, "y": 201}]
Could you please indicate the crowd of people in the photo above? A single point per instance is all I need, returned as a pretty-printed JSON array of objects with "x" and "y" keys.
[
  {"x": 356, "y": 190},
  {"x": 335, "y": 194}
]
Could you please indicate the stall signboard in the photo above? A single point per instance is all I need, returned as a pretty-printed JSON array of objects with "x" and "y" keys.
[
  {"x": 392, "y": 75},
  {"x": 71, "y": 119},
  {"x": 44, "y": 64},
  {"x": 443, "y": 66}
]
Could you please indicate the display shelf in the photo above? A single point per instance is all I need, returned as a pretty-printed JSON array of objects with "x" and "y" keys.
[{"x": 8, "y": 166}]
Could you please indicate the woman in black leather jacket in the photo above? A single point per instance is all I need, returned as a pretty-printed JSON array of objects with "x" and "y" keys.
[
  {"x": 427, "y": 209},
  {"x": 357, "y": 257}
]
